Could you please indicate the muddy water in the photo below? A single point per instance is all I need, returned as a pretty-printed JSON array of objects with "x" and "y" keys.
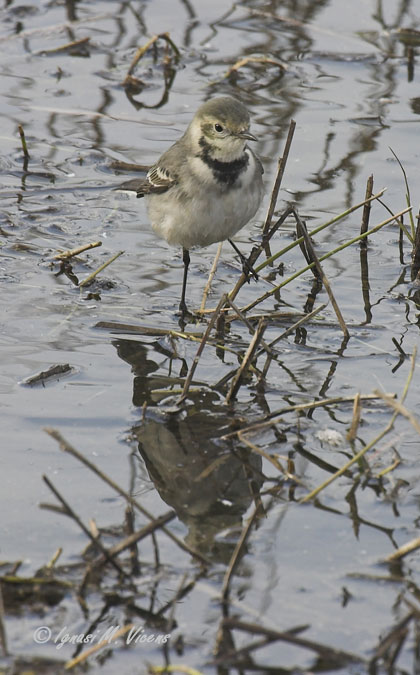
[{"x": 353, "y": 91}]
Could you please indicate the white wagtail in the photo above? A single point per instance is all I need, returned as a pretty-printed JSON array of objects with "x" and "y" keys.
[{"x": 208, "y": 185}]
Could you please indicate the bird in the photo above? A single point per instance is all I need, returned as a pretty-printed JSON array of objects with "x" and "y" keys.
[{"x": 207, "y": 185}]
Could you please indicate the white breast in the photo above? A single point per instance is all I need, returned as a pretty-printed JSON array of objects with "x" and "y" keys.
[{"x": 200, "y": 211}]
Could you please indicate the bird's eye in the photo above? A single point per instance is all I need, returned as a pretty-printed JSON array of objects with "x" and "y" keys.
[{"x": 218, "y": 128}]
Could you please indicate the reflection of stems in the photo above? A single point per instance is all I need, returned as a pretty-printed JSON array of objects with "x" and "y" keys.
[
  {"x": 364, "y": 273},
  {"x": 142, "y": 50},
  {"x": 201, "y": 346},
  {"x": 247, "y": 360},
  {"x": 254, "y": 59}
]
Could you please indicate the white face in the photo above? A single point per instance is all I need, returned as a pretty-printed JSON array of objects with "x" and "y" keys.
[{"x": 223, "y": 138}]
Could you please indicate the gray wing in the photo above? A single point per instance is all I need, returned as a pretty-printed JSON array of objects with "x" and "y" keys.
[{"x": 160, "y": 177}]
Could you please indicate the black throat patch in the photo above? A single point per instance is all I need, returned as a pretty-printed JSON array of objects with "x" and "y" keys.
[{"x": 226, "y": 173}]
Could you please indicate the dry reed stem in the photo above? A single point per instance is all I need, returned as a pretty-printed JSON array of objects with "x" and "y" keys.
[
  {"x": 53, "y": 371},
  {"x": 317, "y": 229},
  {"x": 325, "y": 652},
  {"x": 273, "y": 460},
  {"x": 253, "y": 59},
  {"x": 92, "y": 650},
  {"x": 415, "y": 254},
  {"x": 246, "y": 362},
  {"x": 411, "y": 605},
  {"x": 63, "y": 48},
  {"x": 274, "y": 315},
  {"x": 249, "y": 325},
  {"x": 256, "y": 252},
  {"x": 407, "y": 193},
  {"x": 366, "y": 209},
  {"x": 174, "y": 668},
  {"x": 357, "y": 410},
  {"x": 388, "y": 469},
  {"x": 400, "y": 222},
  {"x": 259, "y": 451},
  {"x": 404, "y": 550},
  {"x": 182, "y": 590},
  {"x": 401, "y": 409},
  {"x": 90, "y": 278},
  {"x": 135, "y": 537},
  {"x": 65, "y": 255},
  {"x": 23, "y": 141},
  {"x": 50, "y": 564},
  {"x": 396, "y": 634},
  {"x": 66, "y": 447},
  {"x": 148, "y": 330},
  {"x": 70, "y": 512},
  {"x": 236, "y": 555},
  {"x": 401, "y": 242},
  {"x": 201, "y": 346},
  {"x": 275, "y": 416},
  {"x": 210, "y": 278},
  {"x": 369, "y": 445},
  {"x": 274, "y": 290},
  {"x": 324, "y": 278},
  {"x": 3, "y": 634},
  {"x": 297, "y": 324},
  {"x": 279, "y": 177},
  {"x": 236, "y": 656}
]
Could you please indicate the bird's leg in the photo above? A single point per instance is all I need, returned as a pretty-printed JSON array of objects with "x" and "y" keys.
[
  {"x": 246, "y": 267},
  {"x": 186, "y": 260}
]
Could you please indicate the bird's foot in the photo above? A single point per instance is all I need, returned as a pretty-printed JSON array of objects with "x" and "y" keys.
[{"x": 183, "y": 309}]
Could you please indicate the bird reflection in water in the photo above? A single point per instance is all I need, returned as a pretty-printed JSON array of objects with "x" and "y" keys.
[{"x": 209, "y": 482}]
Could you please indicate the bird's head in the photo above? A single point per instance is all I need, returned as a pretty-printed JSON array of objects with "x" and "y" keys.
[{"x": 222, "y": 124}]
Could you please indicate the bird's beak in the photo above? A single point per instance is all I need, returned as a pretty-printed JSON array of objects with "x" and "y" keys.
[{"x": 247, "y": 136}]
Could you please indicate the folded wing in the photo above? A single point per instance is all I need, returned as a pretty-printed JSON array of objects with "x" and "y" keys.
[{"x": 158, "y": 180}]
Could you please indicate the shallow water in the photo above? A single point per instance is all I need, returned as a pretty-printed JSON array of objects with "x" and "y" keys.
[{"x": 350, "y": 87}]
